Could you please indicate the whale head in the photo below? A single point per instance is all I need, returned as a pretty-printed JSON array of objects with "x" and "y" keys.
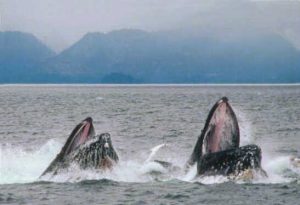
[
  {"x": 220, "y": 132},
  {"x": 85, "y": 149}
]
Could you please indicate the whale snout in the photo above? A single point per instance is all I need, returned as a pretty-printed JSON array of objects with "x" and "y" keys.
[
  {"x": 106, "y": 139},
  {"x": 223, "y": 100},
  {"x": 88, "y": 119},
  {"x": 106, "y": 143}
]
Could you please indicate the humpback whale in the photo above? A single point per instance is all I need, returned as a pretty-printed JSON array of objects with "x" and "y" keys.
[
  {"x": 217, "y": 150},
  {"x": 85, "y": 149}
]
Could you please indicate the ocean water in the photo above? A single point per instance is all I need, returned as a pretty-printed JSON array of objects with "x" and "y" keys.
[{"x": 146, "y": 123}]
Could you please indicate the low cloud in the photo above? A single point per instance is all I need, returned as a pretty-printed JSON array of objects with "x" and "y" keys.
[{"x": 60, "y": 23}]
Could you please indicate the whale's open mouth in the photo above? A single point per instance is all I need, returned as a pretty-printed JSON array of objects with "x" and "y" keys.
[
  {"x": 221, "y": 130},
  {"x": 81, "y": 133}
]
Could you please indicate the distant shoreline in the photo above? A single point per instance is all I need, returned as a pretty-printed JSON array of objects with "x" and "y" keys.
[{"x": 146, "y": 85}]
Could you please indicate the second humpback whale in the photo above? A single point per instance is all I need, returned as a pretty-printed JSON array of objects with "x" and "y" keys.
[
  {"x": 217, "y": 151},
  {"x": 85, "y": 149}
]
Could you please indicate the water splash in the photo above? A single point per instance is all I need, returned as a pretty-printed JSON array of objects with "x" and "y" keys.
[
  {"x": 279, "y": 169},
  {"x": 154, "y": 150},
  {"x": 20, "y": 166}
]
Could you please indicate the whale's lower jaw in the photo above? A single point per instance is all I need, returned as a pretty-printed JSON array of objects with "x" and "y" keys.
[{"x": 230, "y": 162}]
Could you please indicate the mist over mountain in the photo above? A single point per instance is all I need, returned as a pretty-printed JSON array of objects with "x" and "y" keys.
[
  {"x": 21, "y": 55},
  {"x": 135, "y": 56}
]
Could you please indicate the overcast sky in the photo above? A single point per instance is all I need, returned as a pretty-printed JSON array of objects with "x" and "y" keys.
[{"x": 59, "y": 23}]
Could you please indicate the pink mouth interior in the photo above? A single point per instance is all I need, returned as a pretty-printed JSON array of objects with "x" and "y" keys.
[
  {"x": 85, "y": 134},
  {"x": 219, "y": 119},
  {"x": 222, "y": 130},
  {"x": 80, "y": 138}
]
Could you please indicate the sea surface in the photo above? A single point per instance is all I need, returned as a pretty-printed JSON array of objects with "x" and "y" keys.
[{"x": 146, "y": 123}]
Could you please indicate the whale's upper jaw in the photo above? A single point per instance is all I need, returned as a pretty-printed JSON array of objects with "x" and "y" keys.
[
  {"x": 81, "y": 133},
  {"x": 221, "y": 131}
]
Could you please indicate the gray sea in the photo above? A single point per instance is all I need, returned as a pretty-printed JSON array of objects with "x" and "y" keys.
[{"x": 146, "y": 123}]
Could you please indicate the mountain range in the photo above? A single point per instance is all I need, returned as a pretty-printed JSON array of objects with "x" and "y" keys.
[{"x": 135, "y": 56}]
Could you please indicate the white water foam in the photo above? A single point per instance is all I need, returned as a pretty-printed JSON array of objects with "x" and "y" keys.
[{"x": 20, "y": 166}]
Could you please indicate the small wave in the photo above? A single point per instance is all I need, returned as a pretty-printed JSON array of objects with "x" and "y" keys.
[
  {"x": 176, "y": 196},
  {"x": 99, "y": 98},
  {"x": 102, "y": 182},
  {"x": 296, "y": 129}
]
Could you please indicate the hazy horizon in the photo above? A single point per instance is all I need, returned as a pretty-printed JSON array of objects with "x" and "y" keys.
[{"x": 59, "y": 24}]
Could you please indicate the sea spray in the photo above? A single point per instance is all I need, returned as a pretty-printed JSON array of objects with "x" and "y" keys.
[
  {"x": 154, "y": 150},
  {"x": 23, "y": 166},
  {"x": 245, "y": 127},
  {"x": 124, "y": 171}
]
